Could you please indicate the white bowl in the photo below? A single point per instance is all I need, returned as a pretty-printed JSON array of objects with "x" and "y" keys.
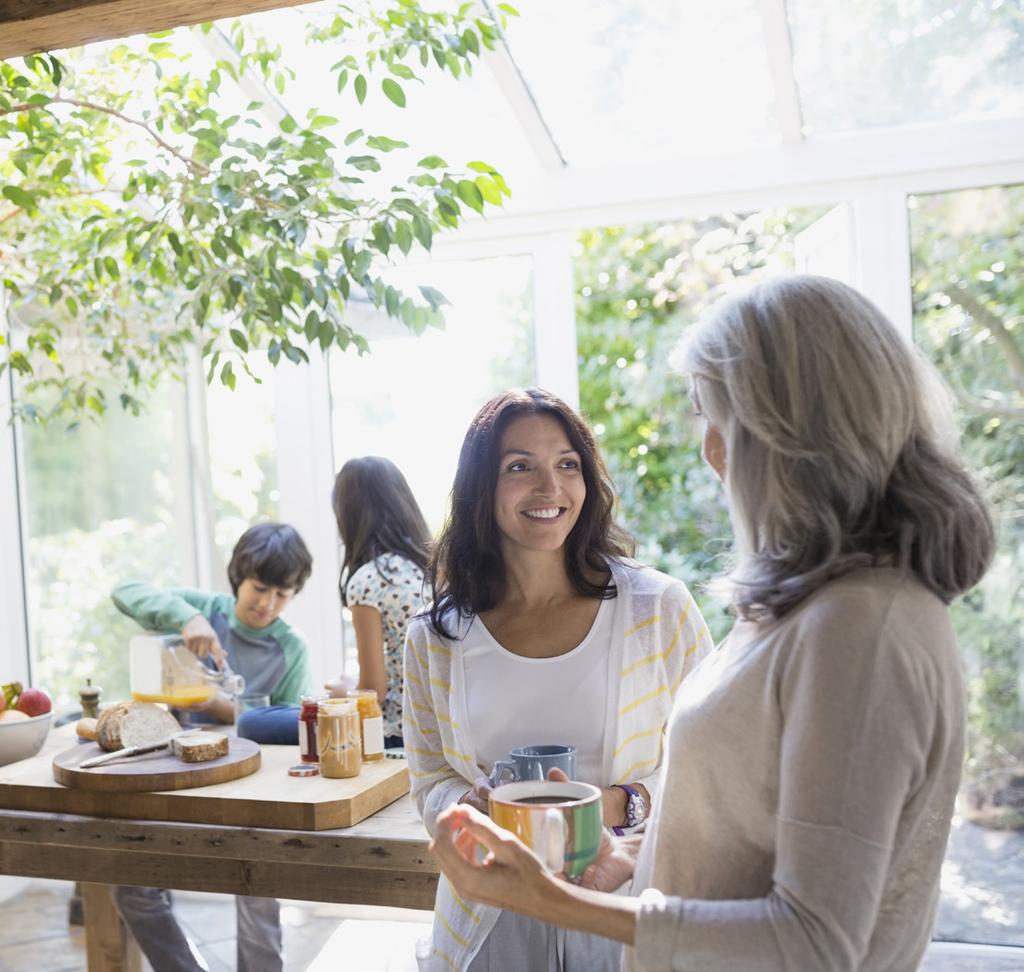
[{"x": 23, "y": 737}]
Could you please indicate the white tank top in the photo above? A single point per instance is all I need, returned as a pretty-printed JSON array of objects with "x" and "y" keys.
[{"x": 514, "y": 701}]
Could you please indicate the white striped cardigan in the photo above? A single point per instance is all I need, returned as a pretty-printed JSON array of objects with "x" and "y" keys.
[{"x": 658, "y": 638}]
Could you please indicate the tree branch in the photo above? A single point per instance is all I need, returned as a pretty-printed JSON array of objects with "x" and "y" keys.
[
  {"x": 986, "y": 318},
  {"x": 105, "y": 109}
]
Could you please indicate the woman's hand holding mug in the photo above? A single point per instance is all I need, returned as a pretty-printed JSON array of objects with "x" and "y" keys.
[{"x": 479, "y": 796}]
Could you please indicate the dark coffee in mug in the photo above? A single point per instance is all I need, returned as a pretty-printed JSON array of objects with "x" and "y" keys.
[{"x": 554, "y": 798}]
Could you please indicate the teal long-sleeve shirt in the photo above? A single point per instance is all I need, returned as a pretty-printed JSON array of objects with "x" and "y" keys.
[{"x": 272, "y": 660}]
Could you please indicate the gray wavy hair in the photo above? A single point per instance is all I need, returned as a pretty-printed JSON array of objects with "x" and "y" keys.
[{"x": 840, "y": 446}]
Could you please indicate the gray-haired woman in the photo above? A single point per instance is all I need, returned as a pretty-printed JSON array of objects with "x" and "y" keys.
[{"x": 813, "y": 760}]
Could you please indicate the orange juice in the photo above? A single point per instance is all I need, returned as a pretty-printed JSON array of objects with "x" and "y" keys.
[{"x": 180, "y": 698}]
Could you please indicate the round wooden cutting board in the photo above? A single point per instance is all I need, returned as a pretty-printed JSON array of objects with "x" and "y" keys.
[{"x": 153, "y": 771}]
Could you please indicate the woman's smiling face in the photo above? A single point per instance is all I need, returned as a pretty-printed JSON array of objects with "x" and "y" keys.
[{"x": 540, "y": 490}]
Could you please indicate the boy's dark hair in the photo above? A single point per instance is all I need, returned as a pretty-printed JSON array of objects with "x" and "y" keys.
[
  {"x": 377, "y": 514},
  {"x": 272, "y": 553},
  {"x": 466, "y": 573}
]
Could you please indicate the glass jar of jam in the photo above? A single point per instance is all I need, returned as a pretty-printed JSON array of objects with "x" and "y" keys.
[
  {"x": 371, "y": 723},
  {"x": 307, "y": 727},
  {"x": 338, "y": 740}
]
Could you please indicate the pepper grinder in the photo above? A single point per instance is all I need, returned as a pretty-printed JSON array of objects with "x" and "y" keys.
[{"x": 89, "y": 695}]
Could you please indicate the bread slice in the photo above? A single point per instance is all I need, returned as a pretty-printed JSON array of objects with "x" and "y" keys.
[
  {"x": 86, "y": 729},
  {"x": 200, "y": 747},
  {"x": 134, "y": 724}
]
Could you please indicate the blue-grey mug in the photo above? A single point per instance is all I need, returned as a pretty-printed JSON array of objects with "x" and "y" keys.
[{"x": 533, "y": 763}]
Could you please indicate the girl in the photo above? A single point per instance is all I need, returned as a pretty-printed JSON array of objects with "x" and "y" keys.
[{"x": 386, "y": 550}]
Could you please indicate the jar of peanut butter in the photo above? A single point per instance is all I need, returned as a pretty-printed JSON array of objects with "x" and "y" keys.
[{"x": 338, "y": 740}]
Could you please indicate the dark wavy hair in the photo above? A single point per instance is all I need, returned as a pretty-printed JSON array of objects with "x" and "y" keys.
[
  {"x": 467, "y": 573},
  {"x": 272, "y": 553},
  {"x": 377, "y": 515}
]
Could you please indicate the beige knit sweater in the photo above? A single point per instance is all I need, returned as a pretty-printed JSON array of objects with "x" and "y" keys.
[{"x": 809, "y": 781}]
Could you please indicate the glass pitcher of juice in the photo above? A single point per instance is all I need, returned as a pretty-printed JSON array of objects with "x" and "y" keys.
[{"x": 162, "y": 669}]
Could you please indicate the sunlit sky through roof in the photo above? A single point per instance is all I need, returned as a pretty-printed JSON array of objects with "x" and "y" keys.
[{"x": 627, "y": 81}]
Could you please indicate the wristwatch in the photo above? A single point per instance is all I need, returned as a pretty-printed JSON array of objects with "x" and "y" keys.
[{"x": 636, "y": 806}]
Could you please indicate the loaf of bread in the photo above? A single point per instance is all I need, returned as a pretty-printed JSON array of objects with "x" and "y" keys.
[
  {"x": 86, "y": 729},
  {"x": 200, "y": 747},
  {"x": 129, "y": 724}
]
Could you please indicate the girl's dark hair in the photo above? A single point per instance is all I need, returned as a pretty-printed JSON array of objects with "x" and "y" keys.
[
  {"x": 377, "y": 515},
  {"x": 272, "y": 553},
  {"x": 466, "y": 573}
]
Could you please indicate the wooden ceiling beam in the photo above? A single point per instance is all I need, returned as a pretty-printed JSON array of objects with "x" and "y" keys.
[{"x": 28, "y": 26}]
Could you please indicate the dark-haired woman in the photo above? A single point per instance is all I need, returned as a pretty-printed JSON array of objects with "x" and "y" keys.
[
  {"x": 387, "y": 546},
  {"x": 811, "y": 764},
  {"x": 541, "y": 630}
]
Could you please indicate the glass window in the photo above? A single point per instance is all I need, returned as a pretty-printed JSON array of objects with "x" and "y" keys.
[
  {"x": 968, "y": 314},
  {"x": 637, "y": 289},
  {"x": 241, "y": 436},
  {"x": 626, "y": 82},
  {"x": 412, "y": 397},
  {"x": 893, "y": 62},
  {"x": 102, "y": 505}
]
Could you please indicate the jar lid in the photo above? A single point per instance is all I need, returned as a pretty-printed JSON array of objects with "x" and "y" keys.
[
  {"x": 338, "y": 706},
  {"x": 304, "y": 769}
]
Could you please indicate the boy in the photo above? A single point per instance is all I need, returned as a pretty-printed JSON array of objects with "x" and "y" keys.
[{"x": 269, "y": 565}]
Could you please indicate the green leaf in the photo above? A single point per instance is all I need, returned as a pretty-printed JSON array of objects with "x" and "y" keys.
[
  {"x": 61, "y": 169},
  {"x": 401, "y": 71},
  {"x": 322, "y": 121},
  {"x": 288, "y": 124},
  {"x": 360, "y": 88},
  {"x": 365, "y": 163},
  {"x": 393, "y": 91},
  {"x": 342, "y": 80},
  {"x": 384, "y": 144},
  {"x": 227, "y": 375},
  {"x": 488, "y": 190},
  {"x": 481, "y": 167},
  {"x": 470, "y": 194},
  {"x": 432, "y": 162},
  {"x": 112, "y": 268},
  {"x": 353, "y": 136},
  {"x": 423, "y": 231},
  {"x": 312, "y": 326},
  {"x": 239, "y": 338},
  {"x": 21, "y": 198},
  {"x": 403, "y": 236},
  {"x": 470, "y": 42},
  {"x": 434, "y": 297}
]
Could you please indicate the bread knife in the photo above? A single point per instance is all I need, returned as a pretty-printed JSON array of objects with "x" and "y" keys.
[{"x": 135, "y": 750}]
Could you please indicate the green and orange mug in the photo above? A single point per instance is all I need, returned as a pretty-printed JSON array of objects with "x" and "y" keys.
[{"x": 560, "y": 822}]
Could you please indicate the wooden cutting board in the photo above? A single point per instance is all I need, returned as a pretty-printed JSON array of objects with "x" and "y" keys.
[
  {"x": 268, "y": 797},
  {"x": 161, "y": 770}
]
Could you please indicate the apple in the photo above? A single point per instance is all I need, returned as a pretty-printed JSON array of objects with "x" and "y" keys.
[{"x": 33, "y": 702}]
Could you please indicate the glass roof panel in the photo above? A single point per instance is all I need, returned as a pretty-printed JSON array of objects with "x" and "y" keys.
[
  {"x": 875, "y": 63},
  {"x": 628, "y": 80}
]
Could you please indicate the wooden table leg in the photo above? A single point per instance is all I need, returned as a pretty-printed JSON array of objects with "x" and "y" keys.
[{"x": 109, "y": 946}]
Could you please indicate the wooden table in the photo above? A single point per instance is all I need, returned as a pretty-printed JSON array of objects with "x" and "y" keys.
[{"x": 382, "y": 860}]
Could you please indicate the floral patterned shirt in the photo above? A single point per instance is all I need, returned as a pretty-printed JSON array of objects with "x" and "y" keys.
[{"x": 394, "y": 587}]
